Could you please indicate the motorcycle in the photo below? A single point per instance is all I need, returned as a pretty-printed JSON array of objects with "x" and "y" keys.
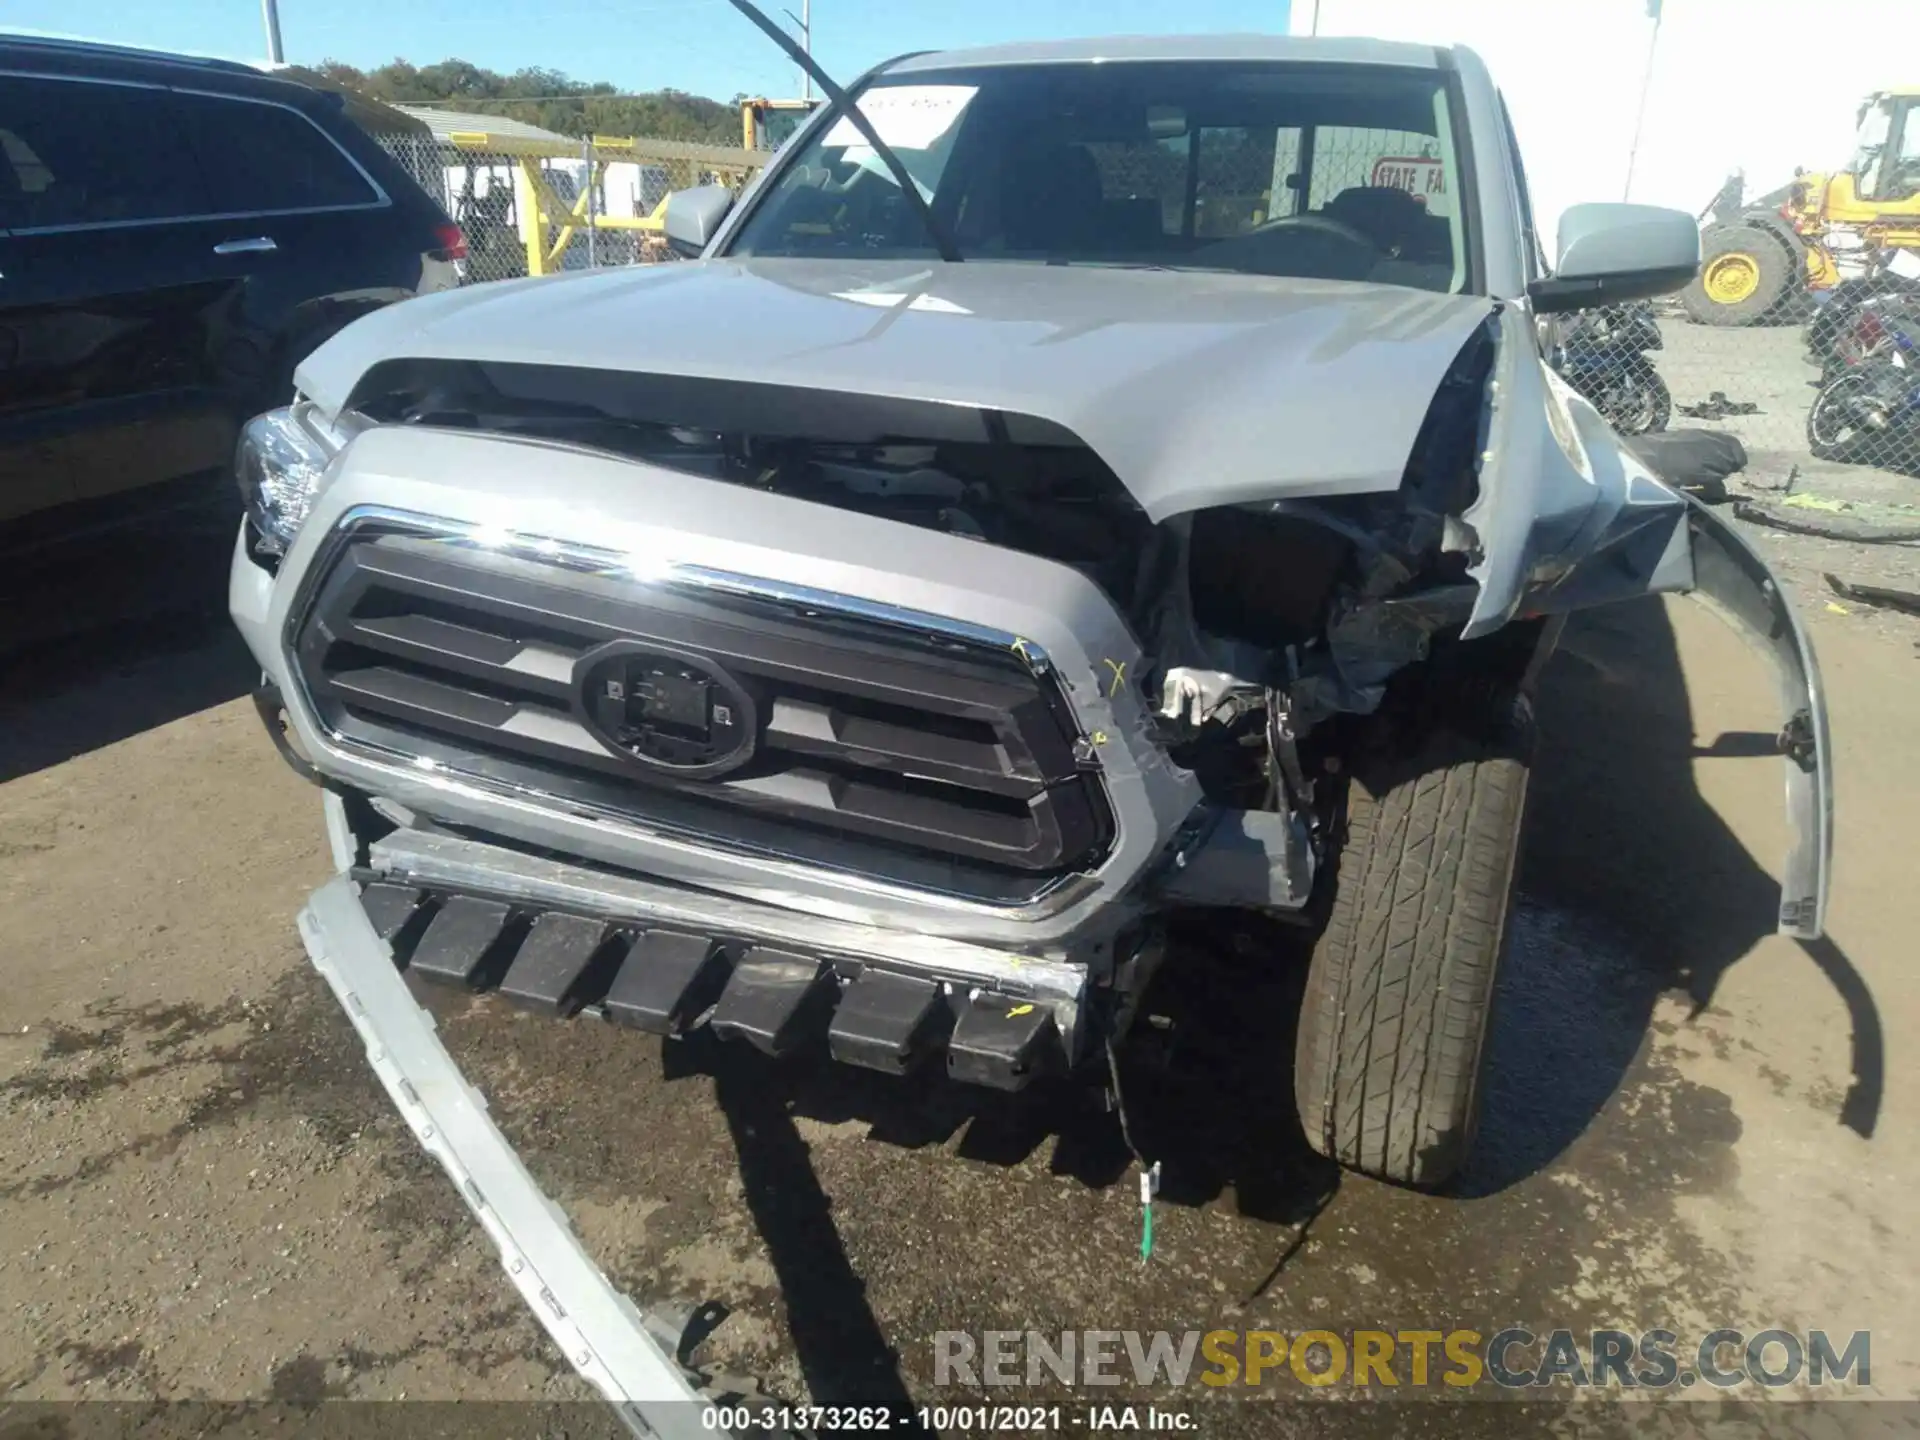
[
  {"x": 1602, "y": 354},
  {"x": 1850, "y": 320},
  {"x": 1868, "y": 412}
]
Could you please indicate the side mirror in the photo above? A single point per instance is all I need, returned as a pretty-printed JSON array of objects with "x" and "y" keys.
[
  {"x": 694, "y": 215},
  {"x": 1615, "y": 252}
]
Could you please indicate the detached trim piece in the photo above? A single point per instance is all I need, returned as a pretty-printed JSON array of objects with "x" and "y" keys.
[
  {"x": 1731, "y": 579},
  {"x": 600, "y": 1329}
]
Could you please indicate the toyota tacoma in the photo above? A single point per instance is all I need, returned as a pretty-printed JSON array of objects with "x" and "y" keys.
[{"x": 1074, "y": 483}]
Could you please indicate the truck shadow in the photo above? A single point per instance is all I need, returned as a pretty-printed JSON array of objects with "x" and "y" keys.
[
  {"x": 1631, "y": 886},
  {"x": 841, "y": 1349},
  {"x": 1209, "y": 1095},
  {"x": 1210, "y": 1134}
]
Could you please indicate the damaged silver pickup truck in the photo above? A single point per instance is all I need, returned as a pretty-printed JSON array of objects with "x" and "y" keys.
[{"x": 1085, "y": 483}]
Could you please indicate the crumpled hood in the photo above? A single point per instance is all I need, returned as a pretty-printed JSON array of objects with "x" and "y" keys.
[{"x": 1197, "y": 389}]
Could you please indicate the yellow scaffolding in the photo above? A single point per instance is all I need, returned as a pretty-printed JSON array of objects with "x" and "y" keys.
[{"x": 548, "y": 223}]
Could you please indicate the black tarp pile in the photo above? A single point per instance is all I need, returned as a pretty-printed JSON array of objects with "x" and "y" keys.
[{"x": 1697, "y": 461}]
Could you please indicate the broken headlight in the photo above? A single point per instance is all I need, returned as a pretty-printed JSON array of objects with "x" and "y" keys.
[{"x": 280, "y": 465}]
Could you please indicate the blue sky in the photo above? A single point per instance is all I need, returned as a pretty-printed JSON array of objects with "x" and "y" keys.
[{"x": 697, "y": 45}]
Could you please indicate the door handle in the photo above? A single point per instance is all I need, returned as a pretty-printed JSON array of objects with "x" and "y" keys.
[{"x": 259, "y": 245}]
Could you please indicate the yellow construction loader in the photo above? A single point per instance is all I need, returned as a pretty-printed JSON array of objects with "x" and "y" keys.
[
  {"x": 766, "y": 124},
  {"x": 1756, "y": 260}
]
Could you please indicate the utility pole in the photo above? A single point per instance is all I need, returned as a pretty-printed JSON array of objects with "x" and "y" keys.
[
  {"x": 805, "y": 21},
  {"x": 1316, "y": 18},
  {"x": 1654, "y": 8},
  {"x": 270, "y": 16}
]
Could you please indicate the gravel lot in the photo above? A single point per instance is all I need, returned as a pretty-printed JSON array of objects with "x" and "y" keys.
[{"x": 1690, "y": 1122}]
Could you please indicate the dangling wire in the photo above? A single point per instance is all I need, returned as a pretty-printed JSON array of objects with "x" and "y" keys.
[
  {"x": 1119, "y": 1104},
  {"x": 1149, "y": 1174}
]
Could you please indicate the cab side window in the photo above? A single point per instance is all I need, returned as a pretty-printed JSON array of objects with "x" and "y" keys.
[
  {"x": 80, "y": 154},
  {"x": 1903, "y": 169}
]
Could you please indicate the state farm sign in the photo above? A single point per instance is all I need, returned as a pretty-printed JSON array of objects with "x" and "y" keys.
[{"x": 1422, "y": 177}]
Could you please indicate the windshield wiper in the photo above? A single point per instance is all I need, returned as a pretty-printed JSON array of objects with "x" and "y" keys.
[
  {"x": 838, "y": 102},
  {"x": 1092, "y": 264}
]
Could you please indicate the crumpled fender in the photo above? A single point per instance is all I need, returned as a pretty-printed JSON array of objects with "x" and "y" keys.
[{"x": 1567, "y": 518}]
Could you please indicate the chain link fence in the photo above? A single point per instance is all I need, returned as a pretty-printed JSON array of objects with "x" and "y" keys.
[
  {"x": 574, "y": 212},
  {"x": 1801, "y": 333},
  {"x": 1244, "y": 176},
  {"x": 1820, "y": 386}
]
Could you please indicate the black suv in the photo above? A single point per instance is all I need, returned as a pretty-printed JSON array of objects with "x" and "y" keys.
[{"x": 175, "y": 235}]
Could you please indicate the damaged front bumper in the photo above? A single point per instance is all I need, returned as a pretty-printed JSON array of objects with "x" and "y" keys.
[
  {"x": 603, "y": 1334},
  {"x": 561, "y": 938}
]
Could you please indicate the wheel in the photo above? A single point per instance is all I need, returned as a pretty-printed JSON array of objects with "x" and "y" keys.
[
  {"x": 1387, "y": 1064},
  {"x": 1639, "y": 402},
  {"x": 1660, "y": 402},
  {"x": 1744, "y": 273},
  {"x": 1834, "y": 431}
]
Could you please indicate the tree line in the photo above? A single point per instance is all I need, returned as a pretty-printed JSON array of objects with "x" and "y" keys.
[{"x": 547, "y": 98}]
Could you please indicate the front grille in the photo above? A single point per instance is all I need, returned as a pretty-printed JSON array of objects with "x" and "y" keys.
[{"x": 762, "y": 723}]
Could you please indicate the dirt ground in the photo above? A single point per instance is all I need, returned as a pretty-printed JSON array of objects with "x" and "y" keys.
[{"x": 1690, "y": 1122}]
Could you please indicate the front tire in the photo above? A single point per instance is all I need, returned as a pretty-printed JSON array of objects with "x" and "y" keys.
[
  {"x": 1638, "y": 403},
  {"x": 1400, "y": 986},
  {"x": 1744, "y": 274},
  {"x": 1834, "y": 432}
]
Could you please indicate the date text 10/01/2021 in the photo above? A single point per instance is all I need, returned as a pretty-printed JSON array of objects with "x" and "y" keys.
[{"x": 949, "y": 1419}]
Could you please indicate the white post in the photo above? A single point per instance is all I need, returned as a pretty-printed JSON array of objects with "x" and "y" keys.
[
  {"x": 270, "y": 17},
  {"x": 805, "y": 21},
  {"x": 586, "y": 157},
  {"x": 806, "y": 44},
  {"x": 1646, "y": 84}
]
